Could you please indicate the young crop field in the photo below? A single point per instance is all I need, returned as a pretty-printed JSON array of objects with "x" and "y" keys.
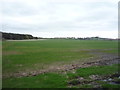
[{"x": 60, "y": 63}]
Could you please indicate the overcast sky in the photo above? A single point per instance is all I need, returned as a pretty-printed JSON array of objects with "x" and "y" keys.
[{"x": 60, "y": 18}]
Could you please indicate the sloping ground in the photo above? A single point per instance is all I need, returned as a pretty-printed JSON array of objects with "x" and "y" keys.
[
  {"x": 90, "y": 77},
  {"x": 72, "y": 64},
  {"x": 100, "y": 59},
  {"x": 100, "y": 72}
]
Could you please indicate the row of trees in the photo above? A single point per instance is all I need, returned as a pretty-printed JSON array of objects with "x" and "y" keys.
[
  {"x": 13, "y": 36},
  {"x": 86, "y": 38}
]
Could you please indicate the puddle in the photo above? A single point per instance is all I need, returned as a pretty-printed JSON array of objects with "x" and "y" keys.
[
  {"x": 110, "y": 81},
  {"x": 114, "y": 83}
]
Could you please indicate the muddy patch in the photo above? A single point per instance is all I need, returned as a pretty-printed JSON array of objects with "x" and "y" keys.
[
  {"x": 65, "y": 68},
  {"x": 99, "y": 60},
  {"x": 96, "y": 80}
]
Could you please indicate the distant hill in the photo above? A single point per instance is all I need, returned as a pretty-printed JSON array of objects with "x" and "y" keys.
[{"x": 14, "y": 36}]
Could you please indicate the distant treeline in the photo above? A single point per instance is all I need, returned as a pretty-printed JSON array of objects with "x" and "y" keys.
[
  {"x": 13, "y": 36},
  {"x": 86, "y": 38}
]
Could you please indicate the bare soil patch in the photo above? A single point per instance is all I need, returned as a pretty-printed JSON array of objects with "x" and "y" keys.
[{"x": 110, "y": 79}]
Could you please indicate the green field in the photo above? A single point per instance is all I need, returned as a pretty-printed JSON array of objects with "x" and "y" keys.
[
  {"x": 28, "y": 56},
  {"x": 55, "y": 80}
]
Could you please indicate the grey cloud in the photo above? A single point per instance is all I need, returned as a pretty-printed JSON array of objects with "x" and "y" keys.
[
  {"x": 15, "y": 9},
  {"x": 93, "y": 15}
]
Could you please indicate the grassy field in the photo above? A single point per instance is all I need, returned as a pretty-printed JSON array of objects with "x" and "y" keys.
[
  {"x": 27, "y": 56},
  {"x": 55, "y": 80}
]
